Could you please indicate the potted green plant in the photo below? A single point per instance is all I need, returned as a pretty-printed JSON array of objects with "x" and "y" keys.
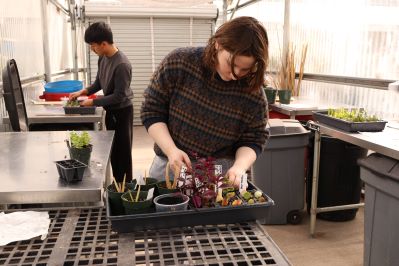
[
  {"x": 202, "y": 183},
  {"x": 115, "y": 192},
  {"x": 271, "y": 94},
  {"x": 286, "y": 77},
  {"x": 136, "y": 202},
  {"x": 149, "y": 183},
  {"x": 80, "y": 146},
  {"x": 168, "y": 185}
]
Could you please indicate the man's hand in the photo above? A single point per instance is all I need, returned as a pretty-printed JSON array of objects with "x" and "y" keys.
[
  {"x": 74, "y": 95},
  {"x": 88, "y": 102}
]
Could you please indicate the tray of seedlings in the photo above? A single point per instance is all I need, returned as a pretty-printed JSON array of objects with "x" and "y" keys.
[
  {"x": 195, "y": 198},
  {"x": 350, "y": 120},
  {"x": 73, "y": 107}
]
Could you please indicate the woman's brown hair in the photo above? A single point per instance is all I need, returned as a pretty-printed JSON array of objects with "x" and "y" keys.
[{"x": 243, "y": 36}]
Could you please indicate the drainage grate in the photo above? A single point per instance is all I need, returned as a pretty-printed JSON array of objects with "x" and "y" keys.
[
  {"x": 84, "y": 237},
  {"x": 34, "y": 251}
]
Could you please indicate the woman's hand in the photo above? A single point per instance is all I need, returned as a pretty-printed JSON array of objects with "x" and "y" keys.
[
  {"x": 177, "y": 158},
  {"x": 234, "y": 175}
]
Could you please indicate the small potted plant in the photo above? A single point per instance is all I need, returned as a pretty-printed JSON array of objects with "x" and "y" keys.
[
  {"x": 202, "y": 183},
  {"x": 115, "y": 192},
  {"x": 270, "y": 92},
  {"x": 286, "y": 77},
  {"x": 80, "y": 146},
  {"x": 149, "y": 183},
  {"x": 136, "y": 202},
  {"x": 168, "y": 185}
]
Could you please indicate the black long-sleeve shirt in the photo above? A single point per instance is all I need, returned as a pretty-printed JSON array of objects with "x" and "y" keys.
[{"x": 113, "y": 77}]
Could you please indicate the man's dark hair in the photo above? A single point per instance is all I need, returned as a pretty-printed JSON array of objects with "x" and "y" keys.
[{"x": 99, "y": 32}]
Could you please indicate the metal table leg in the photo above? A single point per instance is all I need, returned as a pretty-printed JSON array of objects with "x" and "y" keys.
[{"x": 315, "y": 182}]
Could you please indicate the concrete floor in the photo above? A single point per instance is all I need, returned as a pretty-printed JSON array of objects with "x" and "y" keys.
[{"x": 336, "y": 243}]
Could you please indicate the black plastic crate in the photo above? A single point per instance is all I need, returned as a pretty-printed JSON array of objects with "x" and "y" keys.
[
  {"x": 82, "y": 110},
  {"x": 190, "y": 217},
  {"x": 324, "y": 118},
  {"x": 71, "y": 170}
]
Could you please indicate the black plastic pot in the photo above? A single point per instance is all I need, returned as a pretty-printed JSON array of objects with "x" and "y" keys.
[
  {"x": 143, "y": 205},
  {"x": 82, "y": 154},
  {"x": 284, "y": 96},
  {"x": 161, "y": 186},
  {"x": 115, "y": 200},
  {"x": 71, "y": 170},
  {"x": 270, "y": 95}
]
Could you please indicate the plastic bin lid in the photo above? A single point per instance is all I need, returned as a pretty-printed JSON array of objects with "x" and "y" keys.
[
  {"x": 63, "y": 86},
  {"x": 285, "y": 127},
  {"x": 381, "y": 165}
]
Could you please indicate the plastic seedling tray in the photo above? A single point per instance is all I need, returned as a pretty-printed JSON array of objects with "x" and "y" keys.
[
  {"x": 324, "y": 118},
  {"x": 82, "y": 110},
  {"x": 190, "y": 217},
  {"x": 70, "y": 170}
]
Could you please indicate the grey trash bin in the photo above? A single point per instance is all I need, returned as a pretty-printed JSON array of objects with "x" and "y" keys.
[
  {"x": 381, "y": 215},
  {"x": 280, "y": 170}
]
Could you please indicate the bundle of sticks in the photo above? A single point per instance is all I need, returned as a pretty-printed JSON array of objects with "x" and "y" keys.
[{"x": 286, "y": 74}]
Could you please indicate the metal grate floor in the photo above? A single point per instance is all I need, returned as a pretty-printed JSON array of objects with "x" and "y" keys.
[{"x": 84, "y": 237}]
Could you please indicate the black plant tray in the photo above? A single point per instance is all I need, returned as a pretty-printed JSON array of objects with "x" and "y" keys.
[
  {"x": 82, "y": 110},
  {"x": 322, "y": 117},
  {"x": 71, "y": 170},
  {"x": 190, "y": 217}
]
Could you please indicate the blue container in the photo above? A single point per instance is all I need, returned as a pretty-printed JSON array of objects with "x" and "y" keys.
[{"x": 63, "y": 86}]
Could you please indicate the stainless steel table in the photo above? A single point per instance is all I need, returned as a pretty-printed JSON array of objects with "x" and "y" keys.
[
  {"x": 46, "y": 114},
  {"x": 385, "y": 142},
  {"x": 28, "y": 173}
]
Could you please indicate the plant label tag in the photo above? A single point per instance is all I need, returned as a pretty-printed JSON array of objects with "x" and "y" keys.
[
  {"x": 140, "y": 180},
  {"x": 198, "y": 183},
  {"x": 183, "y": 175},
  {"x": 218, "y": 169},
  {"x": 243, "y": 183},
  {"x": 150, "y": 193},
  {"x": 183, "y": 171}
]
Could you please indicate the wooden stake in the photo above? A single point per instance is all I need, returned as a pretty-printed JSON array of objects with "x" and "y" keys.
[
  {"x": 123, "y": 184},
  {"x": 116, "y": 185},
  {"x": 138, "y": 193}
]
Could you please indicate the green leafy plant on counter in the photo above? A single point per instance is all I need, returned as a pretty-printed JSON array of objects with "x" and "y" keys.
[
  {"x": 352, "y": 115},
  {"x": 81, "y": 140},
  {"x": 72, "y": 103}
]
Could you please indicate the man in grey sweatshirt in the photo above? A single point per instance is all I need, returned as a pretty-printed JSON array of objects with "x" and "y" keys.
[{"x": 113, "y": 77}]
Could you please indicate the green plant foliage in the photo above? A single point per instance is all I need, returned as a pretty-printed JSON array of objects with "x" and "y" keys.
[
  {"x": 72, "y": 103},
  {"x": 81, "y": 140},
  {"x": 352, "y": 115}
]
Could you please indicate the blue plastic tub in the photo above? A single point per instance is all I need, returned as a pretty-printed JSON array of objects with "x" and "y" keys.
[{"x": 63, "y": 86}]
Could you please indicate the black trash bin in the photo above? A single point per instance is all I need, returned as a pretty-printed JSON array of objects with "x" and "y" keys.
[{"x": 339, "y": 177}]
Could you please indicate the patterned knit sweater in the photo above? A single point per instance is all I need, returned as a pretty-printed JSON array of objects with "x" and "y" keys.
[{"x": 204, "y": 114}]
